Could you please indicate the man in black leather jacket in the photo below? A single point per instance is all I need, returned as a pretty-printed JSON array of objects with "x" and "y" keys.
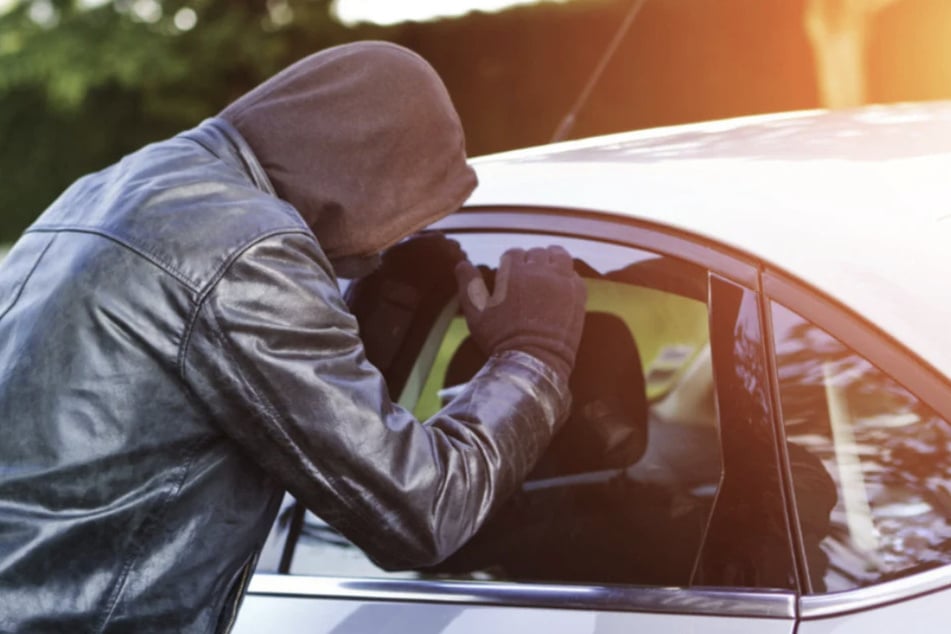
[{"x": 175, "y": 353}]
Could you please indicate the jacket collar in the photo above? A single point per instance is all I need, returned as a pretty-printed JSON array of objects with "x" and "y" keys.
[{"x": 221, "y": 139}]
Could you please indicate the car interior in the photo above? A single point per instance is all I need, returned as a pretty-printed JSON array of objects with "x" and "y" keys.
[{"x": 624, "y": 491}]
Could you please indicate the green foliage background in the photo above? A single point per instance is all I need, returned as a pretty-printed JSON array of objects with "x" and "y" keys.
[{"x": 83, "y": 86}]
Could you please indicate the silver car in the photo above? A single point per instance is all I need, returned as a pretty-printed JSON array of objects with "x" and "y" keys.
[{"x": 760, "y": 435}]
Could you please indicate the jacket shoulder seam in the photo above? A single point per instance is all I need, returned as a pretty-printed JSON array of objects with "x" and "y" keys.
[
  {"x": 202, "y": 294},
  {"x": 138, "y": 250}
]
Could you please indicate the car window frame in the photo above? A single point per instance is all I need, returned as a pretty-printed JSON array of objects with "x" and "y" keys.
[
  {"x": 729, "y": 265},
  {"x": 717, "y": 259},
  {"x": 612, "y": 228},
  {"x": 758, "y": 407},
  {"x": 862, "y": 336}
]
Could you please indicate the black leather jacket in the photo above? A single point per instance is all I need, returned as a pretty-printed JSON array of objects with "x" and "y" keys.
[{"x": 174, "y": 353}]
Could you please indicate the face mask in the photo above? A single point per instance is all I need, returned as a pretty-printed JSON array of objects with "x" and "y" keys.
[{"x": 355, "y": 266}]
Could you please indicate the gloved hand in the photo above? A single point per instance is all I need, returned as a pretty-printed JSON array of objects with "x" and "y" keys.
[{"x": 537, "y": 306}]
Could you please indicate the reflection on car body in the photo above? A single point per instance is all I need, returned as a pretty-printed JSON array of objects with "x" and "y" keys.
[{"x": 759, "y": 432}]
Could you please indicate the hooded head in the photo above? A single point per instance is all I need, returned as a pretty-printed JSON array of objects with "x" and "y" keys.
[{"x": 363, "y": 140}]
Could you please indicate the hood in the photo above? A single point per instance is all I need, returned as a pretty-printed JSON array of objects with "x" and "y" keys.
[{"x": 363, "y": 140}]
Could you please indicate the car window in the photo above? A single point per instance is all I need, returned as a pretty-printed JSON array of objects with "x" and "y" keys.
[
  {"x": 879, "y": 506},
  {"x": 624, "y": 493}
]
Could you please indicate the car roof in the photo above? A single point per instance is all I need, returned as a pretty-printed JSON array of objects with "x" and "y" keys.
[{"x": 854, "y": 203}]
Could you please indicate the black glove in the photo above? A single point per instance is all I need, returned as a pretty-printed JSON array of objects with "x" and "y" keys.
[{"x": 537, "y": 306}]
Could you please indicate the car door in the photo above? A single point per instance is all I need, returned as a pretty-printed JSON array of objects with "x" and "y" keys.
[
  {"x": 659, "y": 505},
  {"x": 878, "y": 529}
]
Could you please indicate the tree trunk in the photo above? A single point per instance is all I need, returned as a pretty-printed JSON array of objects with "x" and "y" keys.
[{"x": 838, "y": 31}]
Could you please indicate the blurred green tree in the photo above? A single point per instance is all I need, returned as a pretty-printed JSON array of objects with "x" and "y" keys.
[{"x": 83, "y": 82}]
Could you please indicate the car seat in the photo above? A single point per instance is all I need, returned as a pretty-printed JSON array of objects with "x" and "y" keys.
[
  {"x": 578, "y": 517},
  {"x": 607, "y": 425}
]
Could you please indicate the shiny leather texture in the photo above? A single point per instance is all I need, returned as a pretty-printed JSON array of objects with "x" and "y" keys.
[{"x": 174, "y": 353}]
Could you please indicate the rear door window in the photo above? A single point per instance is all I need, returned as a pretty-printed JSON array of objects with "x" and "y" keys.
[{"x": 880, "y": 507}]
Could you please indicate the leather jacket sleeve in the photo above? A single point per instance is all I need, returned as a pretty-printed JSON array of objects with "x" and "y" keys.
[{"x": 275, "y": 356}]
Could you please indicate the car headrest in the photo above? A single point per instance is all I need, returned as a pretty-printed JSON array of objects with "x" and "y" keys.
[
  {"x": 607, "y": 426},
  {"x": 397, "y": 305}
]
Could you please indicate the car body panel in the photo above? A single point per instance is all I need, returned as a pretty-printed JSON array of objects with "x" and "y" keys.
[
  {"x": 926, "y": 614},
  {"x": 854, "y": 204},
  {"x": 920, "y": 589}
]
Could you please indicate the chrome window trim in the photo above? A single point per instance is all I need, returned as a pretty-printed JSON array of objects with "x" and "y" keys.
[
  {"x": 803, "y": 580},
  {"x": 839, "y": 603},
  {"x": 605, "y": 227},
  {"x": 671, "y": 600}
]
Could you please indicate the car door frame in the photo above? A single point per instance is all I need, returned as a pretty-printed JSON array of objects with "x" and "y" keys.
[{"x": 719, "y": 260}]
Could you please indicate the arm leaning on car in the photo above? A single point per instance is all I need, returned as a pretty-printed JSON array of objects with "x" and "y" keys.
[{"x": 275, "y": 356}]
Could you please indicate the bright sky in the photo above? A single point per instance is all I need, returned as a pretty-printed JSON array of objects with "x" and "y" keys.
[
  {"x": 378, "y": 11},
  {"x": 393, "y": 11}
]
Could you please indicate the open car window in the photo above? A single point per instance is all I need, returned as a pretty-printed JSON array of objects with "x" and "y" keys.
[{"x": 625, "y": 491}]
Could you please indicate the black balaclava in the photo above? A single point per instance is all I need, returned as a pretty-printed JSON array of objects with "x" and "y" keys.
[{"x": 363, "y": 140}]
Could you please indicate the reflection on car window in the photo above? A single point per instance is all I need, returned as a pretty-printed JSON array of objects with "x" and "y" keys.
[
  {"x": 888, "y": 455},
  {"x": 624, "y": 492}
]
